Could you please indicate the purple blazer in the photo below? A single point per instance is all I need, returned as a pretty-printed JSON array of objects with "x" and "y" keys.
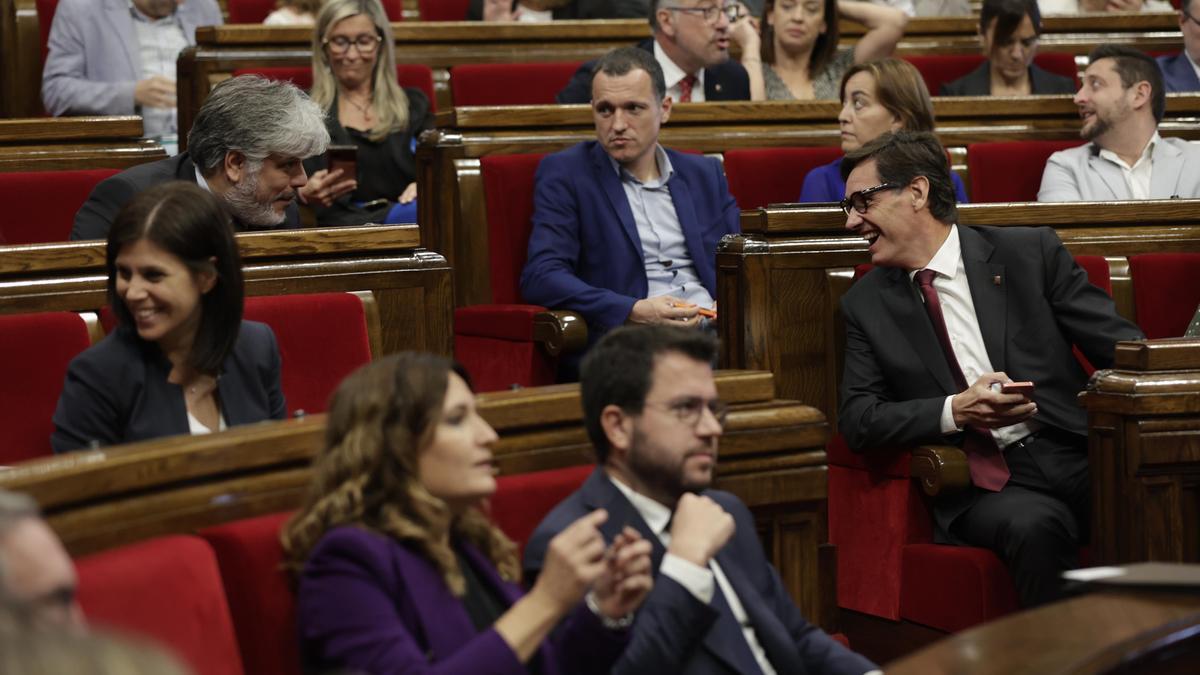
[{"x": 366, "y": 602}]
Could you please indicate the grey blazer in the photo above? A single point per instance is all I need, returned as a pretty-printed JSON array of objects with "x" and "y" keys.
[
  {"x": 1081, "y": 174},
  {"x": 93, "y": 64}
]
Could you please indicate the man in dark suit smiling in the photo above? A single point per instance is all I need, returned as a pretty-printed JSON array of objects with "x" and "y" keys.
[{"x": 950, "y": 316}]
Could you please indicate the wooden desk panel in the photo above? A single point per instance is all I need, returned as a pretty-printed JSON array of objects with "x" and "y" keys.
[{"x": 49, "y": 143}]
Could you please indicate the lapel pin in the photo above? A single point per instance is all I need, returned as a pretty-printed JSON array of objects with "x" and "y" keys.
[
  {"x": 717, "y": 86},
  {"x": 996, "y": 280}
]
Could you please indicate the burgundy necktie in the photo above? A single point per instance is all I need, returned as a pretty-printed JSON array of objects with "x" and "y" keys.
[
  {"x": 685, "y": 88},
  {"x": 988, "y": 468}
]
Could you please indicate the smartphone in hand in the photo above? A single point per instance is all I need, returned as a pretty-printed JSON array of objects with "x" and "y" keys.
[
  {"x": 1024, "y": 388},
  {"x": 344, "y": 157}
]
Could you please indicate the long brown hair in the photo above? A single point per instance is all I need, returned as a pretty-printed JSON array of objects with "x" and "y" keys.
[
  {"x": 380, "y": 419},
  {"x": 823, "y": 49}
]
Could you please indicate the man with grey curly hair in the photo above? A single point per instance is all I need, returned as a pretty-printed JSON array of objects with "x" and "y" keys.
[
  {"x": 246, "y": 146},
  {"x": 37, "y": 577}
]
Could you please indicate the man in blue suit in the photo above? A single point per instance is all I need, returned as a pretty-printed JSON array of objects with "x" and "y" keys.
[
  {"x": 1181, "y": 72},
  {"x": 625, "y": 230},
  {"x": 718, "y": 606}
]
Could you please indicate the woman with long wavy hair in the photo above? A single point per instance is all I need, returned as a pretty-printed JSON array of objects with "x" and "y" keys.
[{"x": 400, "y": 571}]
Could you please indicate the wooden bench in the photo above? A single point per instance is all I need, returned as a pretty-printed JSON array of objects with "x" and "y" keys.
[
  {"x": 411, "y": 286},
  {"x": 48, "y": 143},
  {"x": 453, "y": 216},
  {"x": 772, "y": 456}
]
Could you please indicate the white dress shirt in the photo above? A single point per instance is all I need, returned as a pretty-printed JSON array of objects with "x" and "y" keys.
[
  {"x": 673, "y": 74},
  {"x": 697, "y": 580},
  {"x": 1137, "y": 177},
  {"x": 159, "y": 44},
  {"x": 962, "y": 325}
]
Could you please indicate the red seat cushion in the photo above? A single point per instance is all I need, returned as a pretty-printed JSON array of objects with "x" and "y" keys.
[
  {"x": 1099, "y": 275},
  {"x": 1010, "y": 171},
  {"x": 166, "y": 589},
  {"x": 939, "y": 69},
  {"x": 413, "y": 75},
  {"x": 1166, "y": 292},
  {"x": 510, "y": 83},
  {"x": 34, "y": 352},
  {"x": 40, "y": 206},
  {"x": 45, "y": 13},
  {"x": 772, "y": 175},
  {"x": 443, "y": 10},
  {"x": 254, "y": 11},
  {"x": 322, "y": 338},
  {"x": 259, "y": 592},
  {"x": 523, "y": 500},
  {"x": 952, "y": 588},
  {"x": 508, "y": 182}
]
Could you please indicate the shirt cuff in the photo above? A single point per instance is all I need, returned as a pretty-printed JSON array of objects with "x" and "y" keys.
[
  {"x": 948, "y": 425},
  {"x": 696, "y": 579}
]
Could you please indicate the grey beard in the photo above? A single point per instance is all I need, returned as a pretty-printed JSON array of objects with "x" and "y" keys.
[{"x": 243, "y": 200}]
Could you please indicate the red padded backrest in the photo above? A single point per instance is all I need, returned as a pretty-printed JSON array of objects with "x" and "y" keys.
[
  {"x": 1010, "y": 171},
  {"x": 249, "y": 11},
  {"x": 322, "y": 339},
  {"x": 45, "y": 15},
  {"x": 772, "y": 175},
  {"x": 1166, "y": 292},
  {"x": 1059, "y": 63},
  {"x": 414, "y": 75},
  {"x": 169, "y": 590},
  {"x": 523, "y": 500},
  {"x": 34, "y": 352},
  {"x": 938, "y": 69},
  {"x": 259, "y": 592},
  {"x": 443, "y": 10},
  {"x": 40, "y": 206},
  {"x": 508, "y": 192},
  {"x": 1097, "y": 270},
  {"x": 510, "y": 83}
]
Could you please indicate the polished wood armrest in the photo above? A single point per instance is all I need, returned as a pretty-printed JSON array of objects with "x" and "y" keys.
[
  {"x": 942, "y": 469},
  {"x": 560, "y": 331}
]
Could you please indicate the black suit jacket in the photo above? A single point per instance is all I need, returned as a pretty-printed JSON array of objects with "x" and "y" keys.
[
  {"x": 674, "y": 632},
  {"x": 1032, "y": 302},
  {"x": 723, "y": 82},
  {"x": 978, "y": 82},
  {"x": 97, "y": 214},
  {"x": 117, "y": 391}
]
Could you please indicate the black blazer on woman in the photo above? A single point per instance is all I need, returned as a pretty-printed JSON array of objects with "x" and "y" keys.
[
  {"x": 117, "y": 390},
  {"x": 978, "y": 82}
]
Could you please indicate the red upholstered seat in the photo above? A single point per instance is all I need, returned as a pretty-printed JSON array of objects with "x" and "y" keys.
[
  {"x": 259, "y": 592},
  {"x": 772, "y": 175},
  {"x": 1100, "y": 275},
  {"x": 494, "y": 342},
  {"x": 254, "y": 11},
  {"x": 414, "y": 75},
  {"x": 166, "y": 589},
  {"x": 40, "y": 206},
  {"x": 522, "y": 500},
  {"x": 34, "y": 352},
  {"x": 322, "y": 338},
  {"x": 1009, "y": 171},
  {"x": 1166, "y": 292},
  {"x": 443, "y": 10},
  {"x": 45, "y": 14},
  {"x": 940, "y": 69},
  {"x": 510, "y": 83}
]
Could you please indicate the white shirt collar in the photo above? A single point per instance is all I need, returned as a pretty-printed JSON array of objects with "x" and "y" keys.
[
  {"x": 200, "y": 180},
  {"x": 665, "y": 169},
  {"x": 945, "y": 261},
  {"x": 1147, "y": 153},
  {"x": 672, "y": 73},
  {"x": 656, "y": 515}
]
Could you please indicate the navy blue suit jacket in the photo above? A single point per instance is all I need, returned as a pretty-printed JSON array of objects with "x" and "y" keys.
[
  {"x": 676, "y": 633},
  {"x": 1178, "y": 74},
  {"x": 117, "y": 391},
  {"x": 585, "y": 254},
  {"x": 723, "y": 82}
]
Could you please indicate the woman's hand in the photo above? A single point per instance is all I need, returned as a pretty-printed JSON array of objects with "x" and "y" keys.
[
  {"x": 744, "y": 31},
  {"x": 409, "y": 194},
  {"x": 323, "y": 188},
  {"x": 627, "y": 577},
  {"x": 575, "y": 558}
]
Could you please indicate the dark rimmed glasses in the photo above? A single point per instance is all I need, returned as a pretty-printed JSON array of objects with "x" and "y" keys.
[
  {"x": 689, "y": 410},
  {"x": 860, "y": 201},
  {"x": 711, "y": 13},
  {"x": 340, "y": 44}
]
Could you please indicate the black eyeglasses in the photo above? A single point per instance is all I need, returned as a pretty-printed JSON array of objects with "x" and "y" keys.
[
  {"x": 340, "y": 44},
  {"x": 690, "y": 410},
  {"x": 859, "y": 200},
  {"x": 711, "y": 13},
  {"x": 1189, "y": 17}
]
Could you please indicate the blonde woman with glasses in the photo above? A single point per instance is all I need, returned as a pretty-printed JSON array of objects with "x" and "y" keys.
[{"x": 354, "y": 81}]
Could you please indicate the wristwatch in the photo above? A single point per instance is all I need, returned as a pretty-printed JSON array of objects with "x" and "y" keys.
[{"x": 622, "y": 623}]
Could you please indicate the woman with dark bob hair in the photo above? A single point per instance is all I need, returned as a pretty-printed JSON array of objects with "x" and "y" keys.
[
  {"x": 877, "y": 97},
  {"x": 795, "y": 55},
  {"x": 181, "y": 360},
  {"x": 1009, "y": 31},
  {"x": 400, "y": 571}
]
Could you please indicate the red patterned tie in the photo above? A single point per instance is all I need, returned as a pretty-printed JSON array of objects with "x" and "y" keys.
[
  {"x": 988, "y": 468},
  {"x": 685, "y": 88}
]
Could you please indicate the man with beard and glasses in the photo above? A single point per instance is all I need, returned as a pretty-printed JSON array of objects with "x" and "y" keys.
[
  {"x": 246, "y": 146},
  {"x": 1121, "y": 103},
  {"x": 652, "y": 413}
]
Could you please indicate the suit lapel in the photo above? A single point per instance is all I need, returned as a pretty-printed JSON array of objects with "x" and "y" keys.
[
  {"x": 685, "y": 210},
  {"x": 1165, "y": 174},
  {"x": 771, "y": 634},
  {"x": 913, "y": 323},
  {"x": 121, "y": 23},
  {"x": 989, "y": 292},
  {"x": 1109, "y": 173},
  {"x": 611, "y": 183},
  {"x": 445, "y": 629}
]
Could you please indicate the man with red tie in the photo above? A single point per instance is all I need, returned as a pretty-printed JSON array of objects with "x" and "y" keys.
[{"x": 963, "y": 335}]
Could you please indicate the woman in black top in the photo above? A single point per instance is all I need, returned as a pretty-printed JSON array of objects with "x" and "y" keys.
[{"x": 1009, "y": 30}]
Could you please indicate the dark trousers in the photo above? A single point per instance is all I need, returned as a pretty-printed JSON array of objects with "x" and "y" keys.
[{"x": 1037, "y": 523}]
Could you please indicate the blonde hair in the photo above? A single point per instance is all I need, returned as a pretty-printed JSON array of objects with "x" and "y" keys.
[
  {"x": 388, "y": 100},
  {"x": 380, "y": 419}
]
